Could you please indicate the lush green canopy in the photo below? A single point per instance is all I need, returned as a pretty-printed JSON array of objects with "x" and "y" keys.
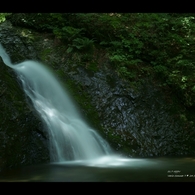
[{"x": 159, "y": 45}]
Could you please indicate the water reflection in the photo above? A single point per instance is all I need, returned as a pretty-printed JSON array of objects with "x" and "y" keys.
[
  {"x": 107, "y": 169},
  {"x": 110, "y": 161}
]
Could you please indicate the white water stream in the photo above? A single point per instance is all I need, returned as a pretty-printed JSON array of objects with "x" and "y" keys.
[
  {"x": 78, "y": 153},
  {"x": 70, "y": 136}
]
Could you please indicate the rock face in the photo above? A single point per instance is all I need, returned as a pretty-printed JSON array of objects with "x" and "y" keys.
[
  {"x": 16, "y": 45},
  {"x": 22, "y": 137},
  {"x": 137, "y": 122},
  {"x": 141, "y": 122}
]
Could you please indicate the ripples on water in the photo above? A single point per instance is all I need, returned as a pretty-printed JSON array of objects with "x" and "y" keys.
[{"x": 107, "y": 169}]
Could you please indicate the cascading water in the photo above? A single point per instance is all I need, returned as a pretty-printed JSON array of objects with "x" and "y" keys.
[
  {"x": 72, "y": 142},
  {"x": 70, "y": 137}
]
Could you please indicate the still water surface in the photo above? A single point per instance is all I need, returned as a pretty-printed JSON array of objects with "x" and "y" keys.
[
  {"x": 107, "y": 169},
  {"x": 67, "y": 129}
]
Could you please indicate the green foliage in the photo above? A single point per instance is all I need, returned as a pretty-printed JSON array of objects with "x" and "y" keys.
[
  {"x": 67, "y": 33},
  {"x": 161, "y": 70},
  {"x": 81, "y": 44},
  {"x": 125, "y": 73},
  {"x": 138, "y": 44},
  {"x": 3, "y": 16}
]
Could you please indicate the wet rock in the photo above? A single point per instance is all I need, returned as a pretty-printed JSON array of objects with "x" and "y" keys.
[
  {"x": 17, "y": 46},
  {"x": 137, "y": 122},
  {"x": 22, "y": 136}
]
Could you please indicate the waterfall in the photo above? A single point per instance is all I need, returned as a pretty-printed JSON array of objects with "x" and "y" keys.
[{"x": 70, "y": 136}]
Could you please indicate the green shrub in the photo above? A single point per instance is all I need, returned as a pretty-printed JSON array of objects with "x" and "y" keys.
[
  {"x": 3, "y": 16},
  {"x": 155, "y": 44},
  {"x": 81, "y": 44}
]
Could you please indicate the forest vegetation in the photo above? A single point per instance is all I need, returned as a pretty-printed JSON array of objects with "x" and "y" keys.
[{"x": 155, "y": 45}]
